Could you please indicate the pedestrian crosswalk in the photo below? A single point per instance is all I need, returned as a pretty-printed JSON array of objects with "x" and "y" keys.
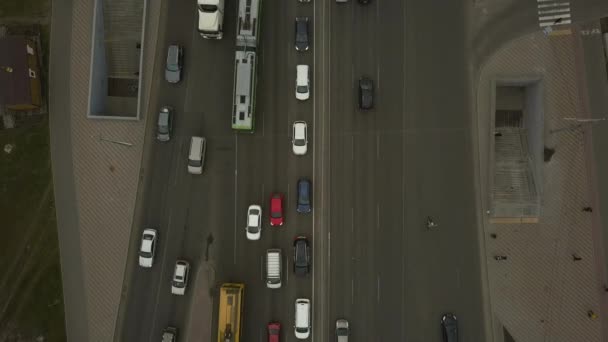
[{"x": 553, "y": 12}]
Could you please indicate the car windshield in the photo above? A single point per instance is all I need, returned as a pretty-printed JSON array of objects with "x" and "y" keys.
[
  {"x": 195, "y": 163},
  {"x": 145, "y": 254},
  {"x": 302, "y": 89},
  {"x": 275, "y": 214},
  {"x": 301, "y": 330},
  {"x": 299, "y": 142},
  {"x": 178, "y": 283},
  {"x": 172, "y": 67},
  {"x": 207, "y": 8}
]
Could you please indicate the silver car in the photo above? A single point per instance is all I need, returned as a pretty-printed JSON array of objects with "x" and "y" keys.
[
  {"x": 164, "y": 124},
  {"x": 342, "y": 330},
  {"x": 173, "y": 70}
]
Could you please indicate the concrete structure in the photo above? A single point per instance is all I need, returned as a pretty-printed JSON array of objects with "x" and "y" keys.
[
  {"x": 118, "y": 39},
  {"x": 19, "y": 74},
  {"x": 548, "y": 283}
]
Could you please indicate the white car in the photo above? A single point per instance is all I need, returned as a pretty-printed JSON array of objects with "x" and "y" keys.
[
  {"x": 254, "y": 222},
  {"x": 302, "y": 319},
  {"x": 302, "y": 82},
  {"x": 180, "y": 277},
  {"x": 299, "y": 139},
  {"x": 147, "y": 248}
]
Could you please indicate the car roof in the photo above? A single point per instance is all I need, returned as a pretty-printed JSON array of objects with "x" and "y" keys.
[
  {"x": 173, "y": 53},
  {"x": 146, "y": 245},
  {"x": 180, "y": 267},
  {"x": 299, "y": 128}
]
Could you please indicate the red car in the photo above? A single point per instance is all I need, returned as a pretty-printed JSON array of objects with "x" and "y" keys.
[
  {"x": 276, "y": 209},
  {"x": 274, "y": 329}
]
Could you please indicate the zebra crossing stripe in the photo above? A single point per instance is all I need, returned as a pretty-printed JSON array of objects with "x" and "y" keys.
[{"x": 553, "y": 13}]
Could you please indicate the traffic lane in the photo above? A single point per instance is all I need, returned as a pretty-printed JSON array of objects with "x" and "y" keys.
[
  {"x": 439, "y": 175},
  {"x": 389, "y": 96},
  {"x": 140, "y": 309},
  {"x": 342, "y": 244},
  {"x": 365, "y": 263},
  {"x": 189, "y": 222},
  {"x": 446, "y": 259},
  {"x": 391, "y": 230}
]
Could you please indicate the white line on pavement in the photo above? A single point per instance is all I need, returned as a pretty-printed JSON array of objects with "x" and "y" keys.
[
  {"x": 236, "y": 168},
  {"x": 378, "y": 288}
]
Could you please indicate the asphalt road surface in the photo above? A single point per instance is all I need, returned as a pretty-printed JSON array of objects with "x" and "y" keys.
[
  {"x": 391, "y": 167},
  {"x": 241, "y": 169},
  {"x": 387, "y": 170}
]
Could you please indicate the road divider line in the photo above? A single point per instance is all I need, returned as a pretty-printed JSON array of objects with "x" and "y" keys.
[
  {"x": 378, "y": 289},
  {"x": 236, "y": 180},
  {"x": 261, "y": 267},
  {"x": 352, "y": 291},
  {"x": 378, "y": 147},
  {"x": 352, "y": 220},
  {"x": 378, "y": 216}
]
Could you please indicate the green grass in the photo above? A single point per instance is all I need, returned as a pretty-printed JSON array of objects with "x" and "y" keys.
[
  {"x": 25, "y": 8},
  {"x": 29, "y": 220}
]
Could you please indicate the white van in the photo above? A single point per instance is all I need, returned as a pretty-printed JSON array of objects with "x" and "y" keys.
[
  {"x": 273, "y": 268},
  {"x": 302, "y": 324},
  {"x": 196, "y": 157},
  {"x": 302, "y": 82}
]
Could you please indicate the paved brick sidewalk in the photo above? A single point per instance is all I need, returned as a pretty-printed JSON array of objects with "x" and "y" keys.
[
  {"x": 96, "y": 218},
  {"x": 541, "y": 293}
]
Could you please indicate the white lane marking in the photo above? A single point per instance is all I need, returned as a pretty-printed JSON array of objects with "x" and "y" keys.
[
  {"x": 263, "y": 124},
  {"x": 261, "y": 267},
  {"x": 180, "y": 146},
  {"x": 553, "y": 17},
  {"x": 559, "y": 10},
  {"x": 553, "y": 13},
  {"x": 378, "y": 216},
  {"x": 378, "y": 288},
  {"x": 236, "y": 181},
  {"x": 288, "y": 198},
  {"x": 329, "y": 245},
  {"x": 352, "y": 147},
  {"x": 563, "y": 22},
  {"x": 287, "y": 269},
  {"x": 352, "y": 291},
  {"x": 262, "y": 200},
  {"x": 378, "y": 76},
  {"x": 352, "y": 76},
  {"x": 352, "y": 220},
  {"x": 378, "y": 147}
]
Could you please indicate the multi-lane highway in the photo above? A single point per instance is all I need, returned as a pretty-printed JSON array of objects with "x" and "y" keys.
[
  {"x": 240, "y": 169},
  {"x": 383, "y": 172},
  {"x": 409, "y": 158}
]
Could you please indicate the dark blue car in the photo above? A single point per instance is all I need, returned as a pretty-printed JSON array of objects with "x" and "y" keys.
[{"x": 304, "y": 196}]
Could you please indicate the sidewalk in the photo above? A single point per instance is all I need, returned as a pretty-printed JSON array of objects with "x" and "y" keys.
[
  {"x": 540, "y": 293},
  {"x": 96, "y": 180}
]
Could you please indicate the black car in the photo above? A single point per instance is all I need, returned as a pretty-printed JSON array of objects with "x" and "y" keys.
[
  {"x": 302, "y": 33},
  {"x": 366, "y": 93},
  {"x": 301, "y": 256},
  {"x": 304, "y": 193},
  {"x": 449, "y": 328}
]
